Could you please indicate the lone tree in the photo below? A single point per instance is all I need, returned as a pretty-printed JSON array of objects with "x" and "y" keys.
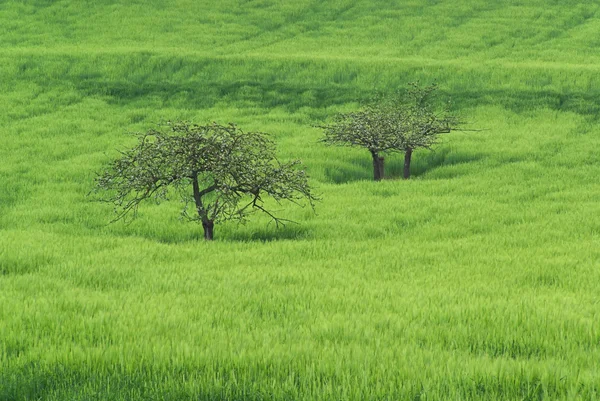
[
  {"x": 400, "y": 124},
  {"x": 219, "y": 169}
]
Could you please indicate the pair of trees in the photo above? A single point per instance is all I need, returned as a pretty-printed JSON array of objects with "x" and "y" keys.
[
  {"x": 223, "y": 173},
  {"x": 399, "y": 124}
]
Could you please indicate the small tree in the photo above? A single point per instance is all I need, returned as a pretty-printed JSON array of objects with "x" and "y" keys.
[
  {"x": 420, "y": 121},
  {"x": 399, "y": 124},
  {"x": 220, "y": 170},
  {"x": 367, "y": 128}
]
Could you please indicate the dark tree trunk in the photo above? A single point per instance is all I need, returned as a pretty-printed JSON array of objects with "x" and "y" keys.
[
  {"x": 378, "y": 171},
  {"x": 208, "y": 227},
  {"x": 207, "y": 224},
  {"x": 407, "y": 158}
]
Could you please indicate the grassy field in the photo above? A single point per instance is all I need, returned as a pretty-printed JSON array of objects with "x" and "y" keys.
[{"x": 478, "y": 279}]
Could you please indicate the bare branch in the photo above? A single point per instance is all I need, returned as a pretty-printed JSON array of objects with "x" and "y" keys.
[
  {"x": 218, "y": 165},
  {"x": 396, "y": 124}
]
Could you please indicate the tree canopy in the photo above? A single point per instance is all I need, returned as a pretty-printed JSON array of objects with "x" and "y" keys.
[
  {"x": 401, "y": 123},
  {"x": 221, "y": 171}
]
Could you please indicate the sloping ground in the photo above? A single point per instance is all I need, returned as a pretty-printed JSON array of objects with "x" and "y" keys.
[
  {"x": 476, "y": 280},
  {"x": 540, "y": 30}
]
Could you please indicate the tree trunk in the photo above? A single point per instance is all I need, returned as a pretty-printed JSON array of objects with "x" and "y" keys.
[
  {"x": 378, "y": 170},
  {"x": 407, "y": 158},
  {"x": 208, "y": 227},
  {"x": 207, "y": 224}
]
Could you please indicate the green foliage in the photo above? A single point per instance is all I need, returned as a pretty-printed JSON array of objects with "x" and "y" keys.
[
  {"x": 369, "y": 128},
  {"x": 223, "y": 171},
  {"x": 476, "y": 280},
  {"x": 399, "y": 124},
  {"x": 420, "y": 123}
]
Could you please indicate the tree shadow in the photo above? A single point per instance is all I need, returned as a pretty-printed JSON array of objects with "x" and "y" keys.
[
  {"x": 224, "y": 233},
  {"x": 360, "y": 169},
  {"x": 356, "y": 169},
  {"x": 289, "y": 232},
  {"x": 441, "y": 158},
  {"x": 177, "y": 239}
]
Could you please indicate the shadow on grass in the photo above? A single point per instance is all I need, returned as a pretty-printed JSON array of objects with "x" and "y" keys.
[
  {"x": 269, "y": 233},
  {"x": 441, "y": 158},
  {"x": 359, "y": 169},
  {"x": 198, "y": 95},
  {"x": 203, "y": 82},
  {"x": 228, "y": 233},
  {"x": 270, "y": 93},
  {"x": 176, "y": 239},
  {"x": 524, "y": 101},
  {"x": 362, "y": 169}
]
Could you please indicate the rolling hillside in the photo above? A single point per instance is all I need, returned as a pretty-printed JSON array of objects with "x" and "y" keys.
[{"x": 477, "y": 279}]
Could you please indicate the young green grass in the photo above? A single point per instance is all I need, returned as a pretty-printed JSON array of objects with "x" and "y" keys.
[{"x": 477, "y": 279}]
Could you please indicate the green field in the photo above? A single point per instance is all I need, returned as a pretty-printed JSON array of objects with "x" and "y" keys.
[{"x": 478, "y": 279}]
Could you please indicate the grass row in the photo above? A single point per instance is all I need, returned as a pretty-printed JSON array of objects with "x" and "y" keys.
[{"x": 538, "y": 30}]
